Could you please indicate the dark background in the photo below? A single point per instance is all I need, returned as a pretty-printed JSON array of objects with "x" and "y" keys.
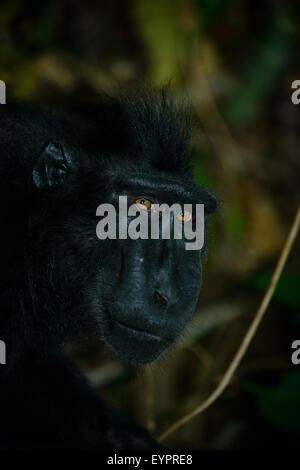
[{"x": 236, "y": 60}]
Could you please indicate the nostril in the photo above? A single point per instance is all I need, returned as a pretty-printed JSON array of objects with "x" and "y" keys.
[{"x": 160, "y": 299}]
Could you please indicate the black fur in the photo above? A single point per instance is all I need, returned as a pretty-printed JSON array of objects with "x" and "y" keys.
[{"x": 59, "y": 282}]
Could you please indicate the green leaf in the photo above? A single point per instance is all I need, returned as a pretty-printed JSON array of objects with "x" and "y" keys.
[
  {"x": 156, "y": 24},
  {"x": 234, "y": 221},
  {"x": 260, "y": 74},
  {"x": 210, "y": 11},
  {"x": 281, "y": 405},
  {"x": 201, "y": 174}
]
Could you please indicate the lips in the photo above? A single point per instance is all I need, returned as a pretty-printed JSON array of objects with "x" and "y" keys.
[
  {"x": 135, "y": 339},
  {"x": 139, "y": 333}
]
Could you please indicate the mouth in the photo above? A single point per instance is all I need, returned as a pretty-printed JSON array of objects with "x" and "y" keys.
[
  {"x": 138, "y": 344},
  {"x": 140, "y": 334}
]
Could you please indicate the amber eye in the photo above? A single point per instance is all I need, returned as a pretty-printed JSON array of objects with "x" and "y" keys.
[
  {"x": 143, "y": 204},
  {"x": 184, "y": 216}
]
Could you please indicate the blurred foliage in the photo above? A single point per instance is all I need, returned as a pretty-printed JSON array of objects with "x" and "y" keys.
[
  {"x": 287, "y": 290},
  {"x": 236, "y": 64},
  {"x": 281, "y": 404},
  {"x": 269, "y": 57}
]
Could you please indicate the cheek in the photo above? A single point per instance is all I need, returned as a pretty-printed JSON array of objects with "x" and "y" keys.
[
  {"x": 190, "y": 280},
  {"x": 189, "y": 269},
  {"x": 108, "y": 267}
]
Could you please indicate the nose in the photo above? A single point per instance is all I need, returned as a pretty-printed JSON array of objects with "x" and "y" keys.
[
  {"x": 164, "y": 283},
  {"x": 160, "y": 299}
]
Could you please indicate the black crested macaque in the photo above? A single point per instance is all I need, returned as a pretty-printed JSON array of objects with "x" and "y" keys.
[{"x": 60, "y": 282}]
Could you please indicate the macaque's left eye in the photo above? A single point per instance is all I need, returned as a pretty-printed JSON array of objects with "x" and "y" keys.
[
  {"x": 143, "y": 204},
  {"x": 184, "y": 216}
]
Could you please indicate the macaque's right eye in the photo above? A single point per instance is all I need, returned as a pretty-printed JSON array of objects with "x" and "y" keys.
[{"x": 143, "y": 204}]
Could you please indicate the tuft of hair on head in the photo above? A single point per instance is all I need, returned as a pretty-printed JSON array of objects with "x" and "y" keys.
[{"x": 161, "y": 127}]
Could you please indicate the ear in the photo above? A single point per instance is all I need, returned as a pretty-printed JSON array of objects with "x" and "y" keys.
[{"x": 53, "y": 166}]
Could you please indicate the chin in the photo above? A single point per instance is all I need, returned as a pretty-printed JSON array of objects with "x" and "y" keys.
[{"x": 135, "y": 346}]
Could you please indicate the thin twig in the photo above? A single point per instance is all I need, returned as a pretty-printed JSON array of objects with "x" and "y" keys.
[{"x": 247, "y": 338}]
